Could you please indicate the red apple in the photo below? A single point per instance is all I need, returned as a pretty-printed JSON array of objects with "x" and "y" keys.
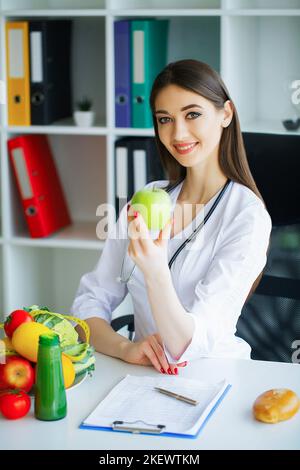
[{"x": 17, "y": 372}]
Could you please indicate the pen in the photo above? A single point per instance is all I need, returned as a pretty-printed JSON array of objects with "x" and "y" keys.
[{"x": 178, "y": 397}]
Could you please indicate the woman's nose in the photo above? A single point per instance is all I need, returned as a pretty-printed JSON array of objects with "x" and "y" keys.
[{"x": 180, "y": 131}]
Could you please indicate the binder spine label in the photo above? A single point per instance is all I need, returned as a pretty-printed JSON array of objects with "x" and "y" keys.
[
  {"x": 36, "y": 57},
  {"x": 121, "y": 169},
  {"x": 22, "y": 173},
  {"x": 138, "y": 57},
  {"x": 16, "y": 63},
  {"x": 140, "y": 169}
]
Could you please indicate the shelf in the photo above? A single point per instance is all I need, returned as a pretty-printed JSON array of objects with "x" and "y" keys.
[
  {"x": 81, "y": 165},
  {"x": 52, "y": 6},
  {"x": 64, "y": 127},
  {"x": 87, "y": 78},
  {"x": 262, "y": 5},
  {"x": 71, "y": 13},
  {"x": 46, "y": 276},
  {"x": 166, "y": 13},
  {"x": 133, "y": 132},
  {"x": 264, "y": 51},
  {"x": 79, "y": 235},
  {"x": 268, "y": 127},
  {"x": 261, "y": 12},
  {"x": 157, "y": 5},
  {"x": 77, "y": 13}
]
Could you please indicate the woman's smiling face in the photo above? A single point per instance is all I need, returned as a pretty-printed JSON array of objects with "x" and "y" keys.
[{"x": 189, "y": 125}]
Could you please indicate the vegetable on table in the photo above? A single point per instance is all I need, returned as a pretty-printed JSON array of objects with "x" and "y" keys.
[
  {"x": 14, "y": 404},
  {"x": 78, "y": 356},
  {"x": 14, "y": 320},
  {"x": 57, "y": 323}
]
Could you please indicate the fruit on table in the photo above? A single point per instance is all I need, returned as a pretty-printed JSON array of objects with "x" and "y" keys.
[
  {"x": 14, "y": 320},
  {"x": 25, "y": 339},
  {"x": 6, "y": 348},
  {"x": 14, "y": 404},
  {"x": 154, "y": 204},
  {"x": 7, "y": 343},
  {"x": 16, "y": 373},
  {"x": 68, "y": 371}
]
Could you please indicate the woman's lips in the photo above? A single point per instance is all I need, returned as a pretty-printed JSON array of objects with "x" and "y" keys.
[{"x": 187, "y": 148}]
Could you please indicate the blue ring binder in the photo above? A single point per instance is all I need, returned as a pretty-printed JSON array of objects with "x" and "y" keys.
[{"x": 144, "y": 425}]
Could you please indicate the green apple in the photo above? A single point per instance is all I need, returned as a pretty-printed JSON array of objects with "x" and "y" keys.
[{"x": 154, "y": 204}]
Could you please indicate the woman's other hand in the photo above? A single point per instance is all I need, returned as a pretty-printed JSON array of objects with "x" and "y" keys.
[{"x": 149, "y": 351}]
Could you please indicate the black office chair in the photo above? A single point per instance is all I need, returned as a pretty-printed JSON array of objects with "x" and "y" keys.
[
  {"x": 270, "y": 319},
  {"x": 125, "y": 320}
]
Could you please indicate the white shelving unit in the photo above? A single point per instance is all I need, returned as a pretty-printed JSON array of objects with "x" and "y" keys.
[{"x": 252, "y": 43}]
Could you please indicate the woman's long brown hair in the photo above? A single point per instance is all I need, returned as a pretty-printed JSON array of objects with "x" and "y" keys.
[{"x": 200, "y": 78}]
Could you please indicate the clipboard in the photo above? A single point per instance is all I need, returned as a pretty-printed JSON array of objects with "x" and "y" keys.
[{"x": 151, "y": 426}]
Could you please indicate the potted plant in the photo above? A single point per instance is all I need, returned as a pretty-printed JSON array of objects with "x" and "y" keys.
[{"x": 84, "y": 116}]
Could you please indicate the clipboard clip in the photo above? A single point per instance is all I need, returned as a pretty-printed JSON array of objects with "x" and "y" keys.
[{"x": 129, "y": 427}]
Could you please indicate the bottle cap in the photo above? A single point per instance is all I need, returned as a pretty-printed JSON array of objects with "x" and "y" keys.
[{"x": 49, "y": 339}]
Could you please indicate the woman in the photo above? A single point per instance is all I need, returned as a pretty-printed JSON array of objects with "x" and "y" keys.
[{"x": 190, "y": 310}]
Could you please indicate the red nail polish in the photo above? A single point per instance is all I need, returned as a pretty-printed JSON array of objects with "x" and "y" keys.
[
  {"x": 169, "y": 371},
  {"x": 176, "y": 371},
  {"x": 135, "y": 214},
  {"x": 162, "y": 371}
]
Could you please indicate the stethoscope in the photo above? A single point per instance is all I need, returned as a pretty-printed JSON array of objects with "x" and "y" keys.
[{"x": 188, "y": 240}]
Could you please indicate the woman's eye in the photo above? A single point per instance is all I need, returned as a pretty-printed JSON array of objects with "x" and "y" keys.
[
  {"x": 193, "y": 115},
  {"x": 163, "y": 120}
]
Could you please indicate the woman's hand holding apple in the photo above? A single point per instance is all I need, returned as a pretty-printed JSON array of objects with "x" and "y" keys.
[
  {"x": 149, "y": 209},
  {"x": 151, "y": 256}
]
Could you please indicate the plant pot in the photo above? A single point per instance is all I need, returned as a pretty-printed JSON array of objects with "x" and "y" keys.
[{"x": 84, "y": 118}]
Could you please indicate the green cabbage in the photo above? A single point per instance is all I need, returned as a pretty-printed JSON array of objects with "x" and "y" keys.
[{"x": 57, "y": 323}]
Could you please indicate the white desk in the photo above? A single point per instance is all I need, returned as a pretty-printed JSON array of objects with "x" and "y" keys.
[{"x": 230, "y": 427}]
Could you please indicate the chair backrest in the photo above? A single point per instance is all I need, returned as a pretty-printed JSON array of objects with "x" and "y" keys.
[
  {"x": 125, "y": 320},
  {"x": 270, "y": 319},
  {"x": 274, "y": 161}
]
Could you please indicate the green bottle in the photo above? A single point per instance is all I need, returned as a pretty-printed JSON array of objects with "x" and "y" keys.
[{"x": 50, "y": 395}]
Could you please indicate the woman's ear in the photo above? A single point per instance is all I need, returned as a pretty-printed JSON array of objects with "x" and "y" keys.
[{"x": 228, "y": 113}]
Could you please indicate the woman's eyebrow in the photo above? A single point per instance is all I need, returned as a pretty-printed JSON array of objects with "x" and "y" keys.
[{"x": 163, "y": 111}]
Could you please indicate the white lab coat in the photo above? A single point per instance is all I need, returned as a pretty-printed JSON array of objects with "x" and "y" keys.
[{"x": 212, "y": 280}]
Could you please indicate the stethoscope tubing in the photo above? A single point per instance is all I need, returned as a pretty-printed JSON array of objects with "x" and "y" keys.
[{"x": 197, "y": 230}]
